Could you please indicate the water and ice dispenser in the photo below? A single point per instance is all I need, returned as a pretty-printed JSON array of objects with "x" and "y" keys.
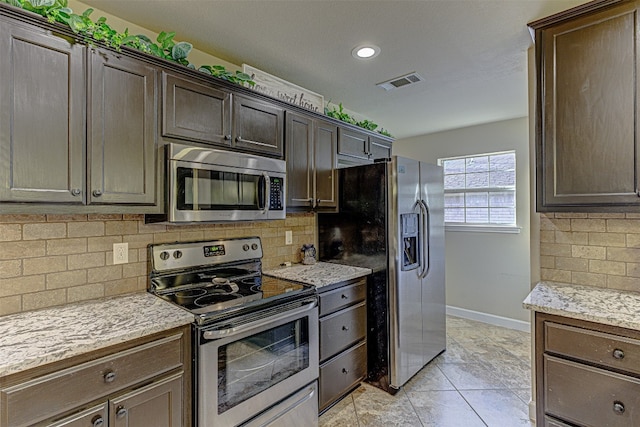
[{"x": 409, "y": 230}]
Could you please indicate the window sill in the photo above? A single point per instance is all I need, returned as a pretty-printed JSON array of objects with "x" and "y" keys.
[{"x": 484, "y": 228}]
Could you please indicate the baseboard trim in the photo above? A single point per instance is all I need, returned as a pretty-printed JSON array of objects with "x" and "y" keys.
[{"x": 492, "y": 319}]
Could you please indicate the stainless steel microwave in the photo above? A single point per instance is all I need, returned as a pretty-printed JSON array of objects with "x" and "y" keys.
[{"x": 210, "y": 185}]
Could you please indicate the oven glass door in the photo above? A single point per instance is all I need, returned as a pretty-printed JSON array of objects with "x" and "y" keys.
[
  {"x": 242, "y": 375},
  {"x": 205, "y": 189}
]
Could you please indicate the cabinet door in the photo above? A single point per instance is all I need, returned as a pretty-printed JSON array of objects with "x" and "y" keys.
[
  {"x": 379, "y": 148},
  {"x": 122, "y": 130},
  {"x": 41, "y": 116},
  {"x": 194, "y": 111},
  {"x": 159, "y": 404},
  {"x": 325, "y": 162},
  {"x": 299, "y": 161},
  {"x": 353, "y": 144},
  {"x": 258, "y": 126},
  {"x": 587, "y": 148},
  {"x": 95, "y": 416}
]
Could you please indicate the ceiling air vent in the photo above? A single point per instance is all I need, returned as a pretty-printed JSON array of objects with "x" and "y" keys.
[{"x": 401, "y": 81}]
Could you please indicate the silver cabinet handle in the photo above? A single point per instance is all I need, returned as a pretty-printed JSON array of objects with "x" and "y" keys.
[
  {"x": 109, "y": 377},
  {"x": 76, "y": 192},
  {"x": 97, "y": 421},
  {"x": 227, "y": 137},
  {"x": 343, "y": 296},
  {"x": 618, "y": 407},
  {"x": 618, "y": 354},
  {"x": 121, "y": 412},
  {"x": 238, "y": 139},
  {"x": 345, "y": 328},
  {"x": 97, "y": 193},
  {"x": 345, "y": 371}
]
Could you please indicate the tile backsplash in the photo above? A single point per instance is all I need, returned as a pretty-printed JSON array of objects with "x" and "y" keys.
[
  {"x": 48, "y": 260},
  {"x": 601, "y": 250}
]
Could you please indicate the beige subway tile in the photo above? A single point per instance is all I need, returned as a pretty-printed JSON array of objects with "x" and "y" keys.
[
  {"x": 555, "y": 275},
  {"x": 633, "y": 240},
  {"x": 623, "y": 254},
  {"x": 21, "y": 285},
  {"x": 48, "y": 264},
  {"x": 66, "y": 279},
  {"x": 632, "y": 215},
  {"x": 570, "y": 215},
  {"x": 20, "y": 218},
  {"x": 86, "y": 229},
  {"x": 10, "y": 268},
  {"x": 547, "y": 261},
  {"x": 623, "y": 225},
  {"x": 67, "y": 246},
  {"x": 607, "y": 239},
  {"x": 143, "y": 255},
  {"x": 572, "y": 264},
  {"x": 591, "y": 252},
  {"x": 546, "y": 224},
  {"x": 593, "y": 225},
  {"x": 104, "y": 274},
  {"x": 133, "y": 217},
  {"x": 49, "y": 230},
  {"x": 122, "y": 286},
  {"x": 606, "y": 215},
  {"x": 607, "y": 267},
  {"x": 105, "y": 217},
  {"x": 10, "y": 232},
  {"x": 623, "y": 283},
  {"x": 134, "y": 269},
  {"x": 575, "y": 238},
  {"x": 589, "y": 279},
  {"x": 85, "y": 292},
  {"x": 44, "y": 299},
  {"x": 151, "y": 228},
  {"x": 88, "y": 260},
  {"x": 190, "y": 236},
  {"x": 137, "y": 241},
  {"x": 22, "y": 249},
  {"x": 65, "y": 217},
  {"x": 166, "y": 237},
  {"x": 633, "y": 269},
  {"x": 120, "y": 227},
  {"x": 10, "y": 305},
  {"x": 102, "y": 243}
]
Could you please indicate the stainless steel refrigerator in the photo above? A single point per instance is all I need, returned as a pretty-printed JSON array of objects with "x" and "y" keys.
[{"x": 391, "y": 219}]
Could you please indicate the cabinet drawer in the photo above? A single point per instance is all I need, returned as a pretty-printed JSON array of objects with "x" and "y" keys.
[
  {"x": 341, "y": 373},
  {"x": 550, "y": 422},
  {"x": 597, "y": 347},
  {"x": 60, "y": 391},
  {"x": 340, "y": 330},
  {"x": 342, "y": 297},
  {"x": 589, "y": 396}
]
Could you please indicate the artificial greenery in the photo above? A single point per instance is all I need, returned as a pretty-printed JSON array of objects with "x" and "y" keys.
[
  {"x": 342, "y": 115},
  {"x": 100, "y": 31}
]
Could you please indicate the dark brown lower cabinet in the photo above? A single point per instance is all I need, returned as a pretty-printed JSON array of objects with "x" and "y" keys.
[
  {"x": 343, "y": 345},
  {"x": 587, "y": 373},
  {"x": 141, "y": 383}
]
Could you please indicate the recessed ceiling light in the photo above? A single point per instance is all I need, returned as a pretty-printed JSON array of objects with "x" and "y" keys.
[{"x": 365, "y": 51}]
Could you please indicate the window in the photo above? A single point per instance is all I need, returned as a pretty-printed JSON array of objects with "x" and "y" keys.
[{"x": 480, "y": 190}]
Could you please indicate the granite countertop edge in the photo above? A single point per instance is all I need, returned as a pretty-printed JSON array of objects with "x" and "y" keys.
[
  {"x": 606, "y": 306},
  {"x": 319, "y": 274},
  {"x": 35, "y": 338}
]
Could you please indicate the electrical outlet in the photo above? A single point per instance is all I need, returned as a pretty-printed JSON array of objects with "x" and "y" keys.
[
  {"x": 120, "y": 253},
  {"x": 288, "y": 237}
]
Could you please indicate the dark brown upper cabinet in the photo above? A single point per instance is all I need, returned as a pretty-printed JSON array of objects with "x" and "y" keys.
[
  {"x": 311, "y": 147},
  {"x": 258, "y": 126},
  {"x": 42, "y": 97},
  {"x": 358, "y": 147},
  {"x": 195, "y": 111},
  {"x": 587, "y": 109},
  {"x": 122, "y": 129}
]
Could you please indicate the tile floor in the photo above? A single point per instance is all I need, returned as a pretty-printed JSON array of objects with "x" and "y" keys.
[{"x": 482, "y": 379}]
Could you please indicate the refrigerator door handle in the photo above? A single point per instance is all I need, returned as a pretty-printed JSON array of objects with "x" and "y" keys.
[{"x": 425, "y": 246}]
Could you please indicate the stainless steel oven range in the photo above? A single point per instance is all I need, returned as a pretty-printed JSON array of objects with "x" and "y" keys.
[{"x": 255, "y": 337}]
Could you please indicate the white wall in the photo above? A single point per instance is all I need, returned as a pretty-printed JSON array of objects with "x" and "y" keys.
[{"x": 485, "y": 272}]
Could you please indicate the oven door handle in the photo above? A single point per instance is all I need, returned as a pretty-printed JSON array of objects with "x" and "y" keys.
[{"x": 221, "y": 333}]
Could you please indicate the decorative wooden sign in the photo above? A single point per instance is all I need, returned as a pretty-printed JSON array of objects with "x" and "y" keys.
[{"x": 283, "y": 90}]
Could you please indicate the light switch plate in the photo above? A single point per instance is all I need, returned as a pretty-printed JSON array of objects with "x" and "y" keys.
[
  {"x": 120, "y": 253},
  {"x": 288, "y": 237}
]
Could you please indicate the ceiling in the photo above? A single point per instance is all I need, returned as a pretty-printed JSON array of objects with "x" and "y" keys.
[{"x": 472, "y": 54}]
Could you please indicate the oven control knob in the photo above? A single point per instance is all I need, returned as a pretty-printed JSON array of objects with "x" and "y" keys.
[
  {"x": 254, "y": 246},
  {"x": 177, "y": 254},
  {"x": 245, "y": 247},
  {"x": 164, "y": 255}
]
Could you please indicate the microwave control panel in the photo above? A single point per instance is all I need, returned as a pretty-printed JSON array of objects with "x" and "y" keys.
[{"x": 276, "y": 195}]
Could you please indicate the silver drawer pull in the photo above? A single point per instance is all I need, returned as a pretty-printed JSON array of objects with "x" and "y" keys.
[
  {"x": 345, "y": 328},
  {"x": 121, "y": 411},
  {"x": 97, "y": 421},
  {"x": 618, "y": 354},
  {"x": 109, "y": 377},
  {"x": 344, "y": 296},
  {"x": 618, "y": 407},
  {"x": 345, "y": 371}
]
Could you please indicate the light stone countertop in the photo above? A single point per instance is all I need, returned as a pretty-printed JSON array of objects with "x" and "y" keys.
[
  {"x": 319, "y": 274},
  {"x": 35, "y": 338},
  {"x": 606, "y": 306}
]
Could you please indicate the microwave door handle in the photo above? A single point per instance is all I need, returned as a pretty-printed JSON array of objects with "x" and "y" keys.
[{"x": 266, "y": 193}]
